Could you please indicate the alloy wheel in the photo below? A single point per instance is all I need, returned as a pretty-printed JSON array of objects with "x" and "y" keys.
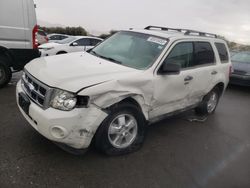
[{"x": 122, "y": 131}]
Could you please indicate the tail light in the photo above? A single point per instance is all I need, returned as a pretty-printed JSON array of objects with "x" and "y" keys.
[
  {"x": 46, "y": 38},
  {"x": 34, "y": 34}
]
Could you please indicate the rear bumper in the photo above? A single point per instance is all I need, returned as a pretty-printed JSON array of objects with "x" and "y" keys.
[
  {"x": 78, "y": 126},
  {"x": 242, "y": 80}
]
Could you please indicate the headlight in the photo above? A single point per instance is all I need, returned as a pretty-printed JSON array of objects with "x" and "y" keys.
[{"x": 63, "y": 100}]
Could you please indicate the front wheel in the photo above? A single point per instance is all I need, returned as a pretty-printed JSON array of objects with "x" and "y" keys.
[
  {"x": 209, "y": 103},
  {"x": 122, "y": 132}
]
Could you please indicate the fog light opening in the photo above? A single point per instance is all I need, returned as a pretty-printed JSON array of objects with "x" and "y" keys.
[{"x": 58, "y": 132}]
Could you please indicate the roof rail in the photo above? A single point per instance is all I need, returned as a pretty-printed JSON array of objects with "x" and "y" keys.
[
  {"x": 185, "y": 31},
  {"x": 150, "y": 27}
]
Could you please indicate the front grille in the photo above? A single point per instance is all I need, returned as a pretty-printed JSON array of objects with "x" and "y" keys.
[{"x": 36, "y": 91}]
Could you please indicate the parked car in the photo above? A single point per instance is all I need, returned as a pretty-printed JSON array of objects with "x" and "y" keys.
[
  {"x": 109, "y": 94},
  {"x": 233, "y": 52},
  {"x": 18, "y": 28},
  {"x": 70, "y": 44},
  {"x": 54, "y": 37},
  {"x": 241, "y": 69},
  {"x": 41, "y": 37}
]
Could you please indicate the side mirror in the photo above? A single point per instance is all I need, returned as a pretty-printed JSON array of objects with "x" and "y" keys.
[
  {"x": 74, "y": 44},
  {"x": 170, "y": 68}
]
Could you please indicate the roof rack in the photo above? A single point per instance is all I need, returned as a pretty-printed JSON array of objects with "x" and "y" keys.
[{"x": 185, "y": 31}]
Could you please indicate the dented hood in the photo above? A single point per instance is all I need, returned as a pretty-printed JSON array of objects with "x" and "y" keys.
[{"x": 74, "y": 71}]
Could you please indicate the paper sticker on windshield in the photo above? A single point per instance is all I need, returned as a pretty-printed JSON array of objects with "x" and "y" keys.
[{"x": 157, "y": 40}]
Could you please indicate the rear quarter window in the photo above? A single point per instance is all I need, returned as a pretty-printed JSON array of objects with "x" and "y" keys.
[{"x": 223, "y": 53}]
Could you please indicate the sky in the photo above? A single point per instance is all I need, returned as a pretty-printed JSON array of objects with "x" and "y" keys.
[{"x": 229, "y": 18}]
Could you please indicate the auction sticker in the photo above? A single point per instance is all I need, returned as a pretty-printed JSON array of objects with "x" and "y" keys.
[{"x": 157, "y": 40}]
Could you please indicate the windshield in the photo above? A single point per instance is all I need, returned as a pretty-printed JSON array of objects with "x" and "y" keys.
[
  {"x": 67, "y": 40},
  {"x": 242, "y": 57},
  {"x": 136, "y": 50}
]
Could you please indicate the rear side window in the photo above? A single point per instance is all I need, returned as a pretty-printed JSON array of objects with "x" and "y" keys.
[
  {"x": 203, "y": 54},
  {"x": 222, "y": 50},
  {"x": 83, "y": 42}
]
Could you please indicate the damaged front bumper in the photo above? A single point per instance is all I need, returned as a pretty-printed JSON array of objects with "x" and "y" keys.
[{"x": 74, "y": 128}]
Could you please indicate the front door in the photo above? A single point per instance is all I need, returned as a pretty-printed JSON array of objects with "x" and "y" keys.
[{"x": 171, "y": 91}]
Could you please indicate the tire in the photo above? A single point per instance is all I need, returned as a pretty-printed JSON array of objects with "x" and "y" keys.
[
  {"x": 5, "y": 72},
  {"x": 130, "y": 136},
  {"x": 209, "y": 103}
]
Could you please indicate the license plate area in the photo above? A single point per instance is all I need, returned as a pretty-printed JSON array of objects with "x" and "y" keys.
[{"x": 24, "y": 102}]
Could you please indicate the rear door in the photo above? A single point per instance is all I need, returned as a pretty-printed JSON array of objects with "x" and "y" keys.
[
  {"x": 12, "y": 24},
  {"x": 30, "y": 21},
  {"x": 203, "y": 70},
  {"x": 224, "y": 68}
]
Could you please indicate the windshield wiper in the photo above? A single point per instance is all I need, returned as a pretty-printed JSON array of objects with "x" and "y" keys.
[
  {"x": 107, "y": 58},
  {"x": 110, "y": 59}
]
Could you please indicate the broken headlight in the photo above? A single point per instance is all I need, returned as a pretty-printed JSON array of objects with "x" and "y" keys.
[{"x": 63, "y": 100}]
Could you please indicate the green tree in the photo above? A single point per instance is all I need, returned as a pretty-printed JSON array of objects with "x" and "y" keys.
[
  {"x": 106, "y": 35},
  {"x": 66, "y": 30}
]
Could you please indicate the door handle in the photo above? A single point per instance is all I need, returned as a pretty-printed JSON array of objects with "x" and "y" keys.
[
  {"x": 214, "y": 72},
  {"x": 188, "y": 78}
]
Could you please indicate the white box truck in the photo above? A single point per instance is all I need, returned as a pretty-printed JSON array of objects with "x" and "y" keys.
[{"x": 18, "y": 29}]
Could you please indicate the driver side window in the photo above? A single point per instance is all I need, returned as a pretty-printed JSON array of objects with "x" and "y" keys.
[{"x": 181, "y": 54}]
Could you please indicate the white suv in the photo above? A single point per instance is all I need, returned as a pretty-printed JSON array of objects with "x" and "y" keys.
[{"x": 109, "y": 94}]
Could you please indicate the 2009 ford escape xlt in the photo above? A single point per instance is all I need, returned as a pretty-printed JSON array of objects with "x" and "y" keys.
[{"x": 108, "y": 94}]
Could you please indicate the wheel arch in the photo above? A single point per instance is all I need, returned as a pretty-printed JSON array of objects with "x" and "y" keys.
[
  {"x": 135, "y": 100},
  {"x": 61, "y": 52},
  {"x": 221, "y": 87}
]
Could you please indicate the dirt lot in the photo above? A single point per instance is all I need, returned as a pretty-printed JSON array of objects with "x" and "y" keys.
[{"x": 177, "y": 152}]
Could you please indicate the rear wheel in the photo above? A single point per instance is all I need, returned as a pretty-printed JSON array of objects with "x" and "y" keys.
[
  {"x": 5, "y": 72},
  {"x": 122, "y": 132},
  {"x": 209, "y": 103}
]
